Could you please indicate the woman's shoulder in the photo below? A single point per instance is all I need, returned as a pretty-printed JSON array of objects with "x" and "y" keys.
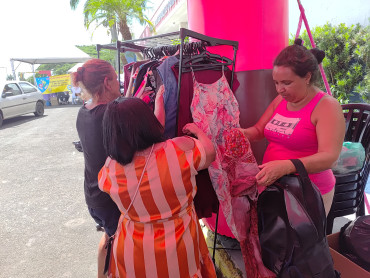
[
  {"x": 328, "y": 101},
  {"x": 327, "y": 107}
]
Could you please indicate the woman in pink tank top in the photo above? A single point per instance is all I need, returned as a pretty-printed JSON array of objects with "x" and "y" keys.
[{"x": 302, "y": 122}]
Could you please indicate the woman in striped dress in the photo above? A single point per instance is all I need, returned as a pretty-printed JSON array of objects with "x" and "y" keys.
[{"x": 152, "y": 181}]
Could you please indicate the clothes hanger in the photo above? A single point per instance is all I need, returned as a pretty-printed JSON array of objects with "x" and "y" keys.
[
  {"x": 206, "y": 61},
  {"x": 206, "y": 58}
]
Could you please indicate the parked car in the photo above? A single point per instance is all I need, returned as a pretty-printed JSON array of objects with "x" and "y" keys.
[{"x": 18, "y": 98}]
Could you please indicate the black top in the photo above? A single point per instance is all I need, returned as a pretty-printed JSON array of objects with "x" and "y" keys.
[
  {"x": 89, "y": 128},
  {"x": 141, "y": 74}
]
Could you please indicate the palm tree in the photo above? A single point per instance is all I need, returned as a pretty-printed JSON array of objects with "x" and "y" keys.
[{"x": 114, "y": 14}]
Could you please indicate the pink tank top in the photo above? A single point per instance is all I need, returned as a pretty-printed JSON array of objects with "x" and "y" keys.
[{"x": 291, "y": 135}]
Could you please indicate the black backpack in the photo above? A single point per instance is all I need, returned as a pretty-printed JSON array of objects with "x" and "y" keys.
[
  {"x": 292, "y": 228},
  {"x": 354, "y": 241}
]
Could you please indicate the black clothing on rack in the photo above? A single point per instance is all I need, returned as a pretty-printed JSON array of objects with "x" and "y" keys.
[{"x": 142, "y": 72}]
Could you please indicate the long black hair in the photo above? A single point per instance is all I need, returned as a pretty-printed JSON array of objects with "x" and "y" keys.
[
  {"x": 129, "y": 125},
  {"x": 301, "y": 60}
]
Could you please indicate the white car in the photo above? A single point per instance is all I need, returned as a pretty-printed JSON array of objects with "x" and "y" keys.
[{"x": 18, "y": 98}]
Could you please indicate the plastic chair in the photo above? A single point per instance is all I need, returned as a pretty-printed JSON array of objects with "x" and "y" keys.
[{"x": 349, "y": 188}]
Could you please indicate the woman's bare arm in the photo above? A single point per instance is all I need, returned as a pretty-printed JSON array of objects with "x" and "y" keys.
[{"x": 255, "y": 133}]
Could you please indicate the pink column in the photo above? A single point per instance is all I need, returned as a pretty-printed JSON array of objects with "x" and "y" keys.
[{"x": 261, "y": 28}]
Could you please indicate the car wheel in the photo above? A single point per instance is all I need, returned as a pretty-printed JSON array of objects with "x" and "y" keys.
[
  {"x": 39, "y": 109},
  {"x": 1, "y": 119}
]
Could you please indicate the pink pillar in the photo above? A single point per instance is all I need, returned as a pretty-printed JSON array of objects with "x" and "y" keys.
[{"x": 261, "y": 28}]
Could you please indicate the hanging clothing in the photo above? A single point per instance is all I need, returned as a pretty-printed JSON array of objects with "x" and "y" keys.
[
  {"x": 215, "y": 110},
  {"x": 205, "y": 201},
  {"x": 160, "y": 235},
  {"x": 143, "y": 85},
  {"x": 165, "y": 72},
  {"x": 128, "y": 70},
  {"x": 292, "y": 135},
  {"x": 187, "y": 91},
  {"x": 142, "y": 74},
  {"x": 170, "y": 96},
  {"x": 159, "y": 72}
]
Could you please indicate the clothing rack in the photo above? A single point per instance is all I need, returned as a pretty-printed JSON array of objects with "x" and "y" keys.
[
  {"x": 210, "y": 42},
  {"x": 138, "y": 45},
  {"x": 143, "y": 44},
  {"x": 156, "y": 42}
]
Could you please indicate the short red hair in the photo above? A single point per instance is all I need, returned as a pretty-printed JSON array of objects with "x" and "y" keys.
[{"x": 92, "y": 75}]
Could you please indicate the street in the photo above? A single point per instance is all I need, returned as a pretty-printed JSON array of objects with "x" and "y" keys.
[{"x": 45, "y": 229}]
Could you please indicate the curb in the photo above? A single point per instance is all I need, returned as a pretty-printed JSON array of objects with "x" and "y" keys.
[{"x": 228, "y": 257}]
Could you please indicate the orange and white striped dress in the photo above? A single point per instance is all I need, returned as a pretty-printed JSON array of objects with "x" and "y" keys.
[{"x": 160, "y": 235}]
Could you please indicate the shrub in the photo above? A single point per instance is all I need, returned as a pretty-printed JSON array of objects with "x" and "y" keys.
[{"x": 347, "y": 60}]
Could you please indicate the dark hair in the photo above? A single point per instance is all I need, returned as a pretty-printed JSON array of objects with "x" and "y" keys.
[
  {"x": 129, "y": 125},
  {"x": 92, "y": 75},
  {"x": 300, "y": 59}
]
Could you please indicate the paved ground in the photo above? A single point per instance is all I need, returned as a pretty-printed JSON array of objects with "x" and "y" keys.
[{"x": 45, "y": 228}]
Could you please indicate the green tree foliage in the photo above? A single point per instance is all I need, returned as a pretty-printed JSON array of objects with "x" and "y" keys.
[
  {"x": 57, "y": 69},
  {"x": 347, "y": 58},
  {"x": 117, "y": 15},
  {"x": 104, "y": 54},
  {"x": 31, "y": 80},
  {"x": 10, "y": 77}
]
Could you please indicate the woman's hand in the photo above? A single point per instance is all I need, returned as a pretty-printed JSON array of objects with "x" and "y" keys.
[
  {"x": 191, "y": 129},
  {"x": 242, "y": 130},
  {"x": 273, "y": 170},
  {"x": 159, "y": 111}
]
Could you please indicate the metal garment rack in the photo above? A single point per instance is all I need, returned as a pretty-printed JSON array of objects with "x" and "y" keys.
[
  {"x": 139, "y": 45},
  {"x": 210, "y": 42}
]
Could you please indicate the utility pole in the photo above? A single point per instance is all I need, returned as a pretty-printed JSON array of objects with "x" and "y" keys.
[{"x": 13, "y": 70}]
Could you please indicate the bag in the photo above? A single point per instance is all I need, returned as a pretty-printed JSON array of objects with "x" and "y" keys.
[
  {"x": 351, "y": 158},
  {"x": 354, "y": 241},
  {"x": 292, "y": 228}
]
